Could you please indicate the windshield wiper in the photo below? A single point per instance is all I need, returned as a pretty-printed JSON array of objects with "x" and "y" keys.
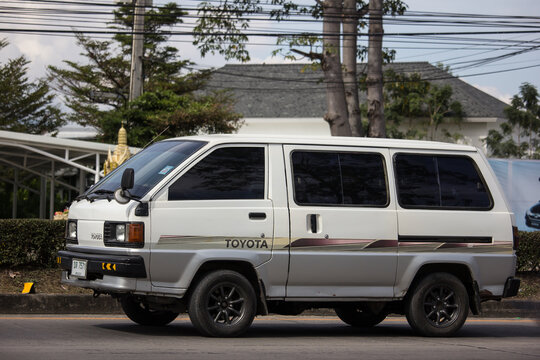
[
  {"x": 82, "y": 197},
  {"x": 89, "y": 197},
  {"x": 102, "y": 191}
]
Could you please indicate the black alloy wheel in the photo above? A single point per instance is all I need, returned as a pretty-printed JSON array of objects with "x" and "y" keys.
[
  {"x": 438, "y": 305},
  {"x": 223, "y": 304}
]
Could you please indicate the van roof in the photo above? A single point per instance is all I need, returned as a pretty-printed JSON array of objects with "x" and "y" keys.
[{"x": 330, "y": 140}]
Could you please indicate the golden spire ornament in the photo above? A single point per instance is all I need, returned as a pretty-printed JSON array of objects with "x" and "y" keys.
[{"x": 121, "y": 152}]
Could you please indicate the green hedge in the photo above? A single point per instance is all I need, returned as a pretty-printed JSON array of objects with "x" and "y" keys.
[
  {"x": 36, "y": 242},
  {"x": 528, "y": 251},
  {"x": 30, "y": 242}
]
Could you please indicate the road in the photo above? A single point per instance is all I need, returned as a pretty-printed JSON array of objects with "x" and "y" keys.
[{"x": 272, "y": 337}]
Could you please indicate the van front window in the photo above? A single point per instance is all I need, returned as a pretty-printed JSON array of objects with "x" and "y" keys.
[{"x": 151, "y": 165}]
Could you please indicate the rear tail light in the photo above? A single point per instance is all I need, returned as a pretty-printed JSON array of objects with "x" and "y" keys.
[{"x": 516, "y": 237}]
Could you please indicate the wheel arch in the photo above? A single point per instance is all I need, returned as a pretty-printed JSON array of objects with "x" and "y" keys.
[
  {"x": 244, "y": 268},
  {"x": 459, "y": 270}
]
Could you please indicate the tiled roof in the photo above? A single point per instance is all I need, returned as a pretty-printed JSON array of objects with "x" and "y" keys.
[{"x": 297, "y": 90}]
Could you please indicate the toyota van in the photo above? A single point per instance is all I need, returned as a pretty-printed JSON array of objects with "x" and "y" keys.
[{"x": 228, "y": 227}]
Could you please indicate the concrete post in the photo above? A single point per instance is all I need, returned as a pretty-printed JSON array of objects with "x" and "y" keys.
[{"x": 137, "y": 51}]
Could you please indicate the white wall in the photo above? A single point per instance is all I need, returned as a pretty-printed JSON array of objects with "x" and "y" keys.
[{"x": 473, "y": 129}]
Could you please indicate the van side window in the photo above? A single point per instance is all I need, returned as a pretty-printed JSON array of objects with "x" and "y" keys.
[
  {"x": 227, "y": 173},
  {"x": 332, "y": 178},
  {"x": 440, "y": 182}
]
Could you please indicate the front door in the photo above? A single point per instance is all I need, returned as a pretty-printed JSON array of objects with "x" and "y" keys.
[{"x": 217, "y": 209}]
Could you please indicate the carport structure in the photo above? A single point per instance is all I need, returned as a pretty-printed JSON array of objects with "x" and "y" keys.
[{"x": 47, "y": 158}]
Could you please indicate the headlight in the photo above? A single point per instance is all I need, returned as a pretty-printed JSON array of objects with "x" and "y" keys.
[
  {"x": 121, "y": 232},
  {"x": 71, "y": 231}
]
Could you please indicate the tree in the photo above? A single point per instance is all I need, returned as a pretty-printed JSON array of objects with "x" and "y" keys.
[
  {"x": 519, "y": 137},
  {"x": 374, "y": 80},
  {"x": 26, "y": 106},
  {"x": 351, "y": 19},
  {"x": 171, "y": 113},
  {"x": 97, "y": 91},
  {"x": 220, "y": 30},
  {"x": 411, "y": 98}
]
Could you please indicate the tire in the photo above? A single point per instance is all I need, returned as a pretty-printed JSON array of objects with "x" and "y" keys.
[
  {"x": 223, "y": 304},
  {"x": 439, "y": 305},
  {"x": 360, "y": 315},
  {"x": 140, "y": 313}
]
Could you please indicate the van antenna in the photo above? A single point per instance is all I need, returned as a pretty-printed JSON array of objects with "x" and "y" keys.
[{"x": 155, "y": 137}]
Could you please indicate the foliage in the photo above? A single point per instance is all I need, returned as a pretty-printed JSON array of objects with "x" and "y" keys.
[
  {"x": 163, "y": 114},
  {"x": 30, "y": 242},
  {"x": 35, "y": 242},
  {"x": 409, "y": 98},
  {"x": 26, "y": 106},
  {"x": 221, "y": 28},
  {"x": 528, "y": 253},
  {"x": 523, "y": 122},
  {"x": 97, "y": 92}
]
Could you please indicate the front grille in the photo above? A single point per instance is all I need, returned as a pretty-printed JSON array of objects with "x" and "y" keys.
[{"x": 107, "y": 232}]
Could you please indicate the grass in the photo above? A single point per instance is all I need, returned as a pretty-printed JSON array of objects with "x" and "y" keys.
[{"x": 47, "y": 281}]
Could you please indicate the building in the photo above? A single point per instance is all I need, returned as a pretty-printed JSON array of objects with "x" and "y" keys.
[
  {"x": 63, "y": 168},
  {"x": 291, "y": 98}
]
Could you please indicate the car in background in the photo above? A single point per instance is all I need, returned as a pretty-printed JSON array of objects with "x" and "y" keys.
[{"x": 532, "y": 216}]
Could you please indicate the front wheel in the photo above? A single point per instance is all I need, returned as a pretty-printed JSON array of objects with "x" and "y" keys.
[
  {"x": 438, "y": 306},
  {"x": 139, "y": 312},
  {"x": 360, "y": 315},
  {"x": 223, "y": 304}
]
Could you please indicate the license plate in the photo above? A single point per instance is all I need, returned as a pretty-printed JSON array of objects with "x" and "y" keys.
[{"x": 78, "y": 268}]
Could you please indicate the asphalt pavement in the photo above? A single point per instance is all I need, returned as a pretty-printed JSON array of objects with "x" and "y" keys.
[
  {"x": 87, "y": 304},
  {"x": 272, "y": 337}
]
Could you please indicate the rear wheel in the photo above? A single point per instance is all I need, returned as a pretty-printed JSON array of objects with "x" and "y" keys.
[
  {"x": 223, "y": 304},
  {"x": 360, "y": 315},
  {"x": 438, "y": 306},
  {"x": 139, "y": 312}
]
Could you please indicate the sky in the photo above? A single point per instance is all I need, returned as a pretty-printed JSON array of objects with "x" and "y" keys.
[{"x": 466, "y": 57}]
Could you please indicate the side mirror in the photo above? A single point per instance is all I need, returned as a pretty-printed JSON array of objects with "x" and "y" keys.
[
  {"x": 122, "y": 195},
  {"x": 128, "y": 179}
]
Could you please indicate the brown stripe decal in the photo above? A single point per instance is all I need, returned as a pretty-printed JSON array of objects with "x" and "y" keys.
[
  {"x": 371, "y": 244},
  {"x": 382, "y": 244}
]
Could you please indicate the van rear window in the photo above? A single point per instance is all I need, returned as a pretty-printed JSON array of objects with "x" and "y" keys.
[
  {"x": 440, "y": 181},
  {"x": 339, "y": 178}
]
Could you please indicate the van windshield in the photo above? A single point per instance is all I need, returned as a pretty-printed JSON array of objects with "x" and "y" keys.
[{"x": 151, "y": 165}]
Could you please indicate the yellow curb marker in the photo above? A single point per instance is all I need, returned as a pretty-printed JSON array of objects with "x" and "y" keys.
[{"x": 29, "y": 288}]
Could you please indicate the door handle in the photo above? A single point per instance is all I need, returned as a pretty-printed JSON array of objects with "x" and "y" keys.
[
  {"x": 257, "y": 216},
  {"x": 313, "y": 223}
]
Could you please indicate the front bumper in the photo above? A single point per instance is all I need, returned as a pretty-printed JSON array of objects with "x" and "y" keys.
[
  {"x": 127, "y": 266},
  {"x": 532, "y": 221}
]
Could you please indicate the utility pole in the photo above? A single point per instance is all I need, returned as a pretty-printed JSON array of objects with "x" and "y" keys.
[{"x": 137, "y": 51}]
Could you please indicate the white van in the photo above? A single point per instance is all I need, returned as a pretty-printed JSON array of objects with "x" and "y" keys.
[{"x": 228, "y": 227}]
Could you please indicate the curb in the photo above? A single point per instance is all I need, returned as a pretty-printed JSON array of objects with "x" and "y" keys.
[
  {"x": 87, "y": 304},
  {"x": 57, "y": 304}
]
